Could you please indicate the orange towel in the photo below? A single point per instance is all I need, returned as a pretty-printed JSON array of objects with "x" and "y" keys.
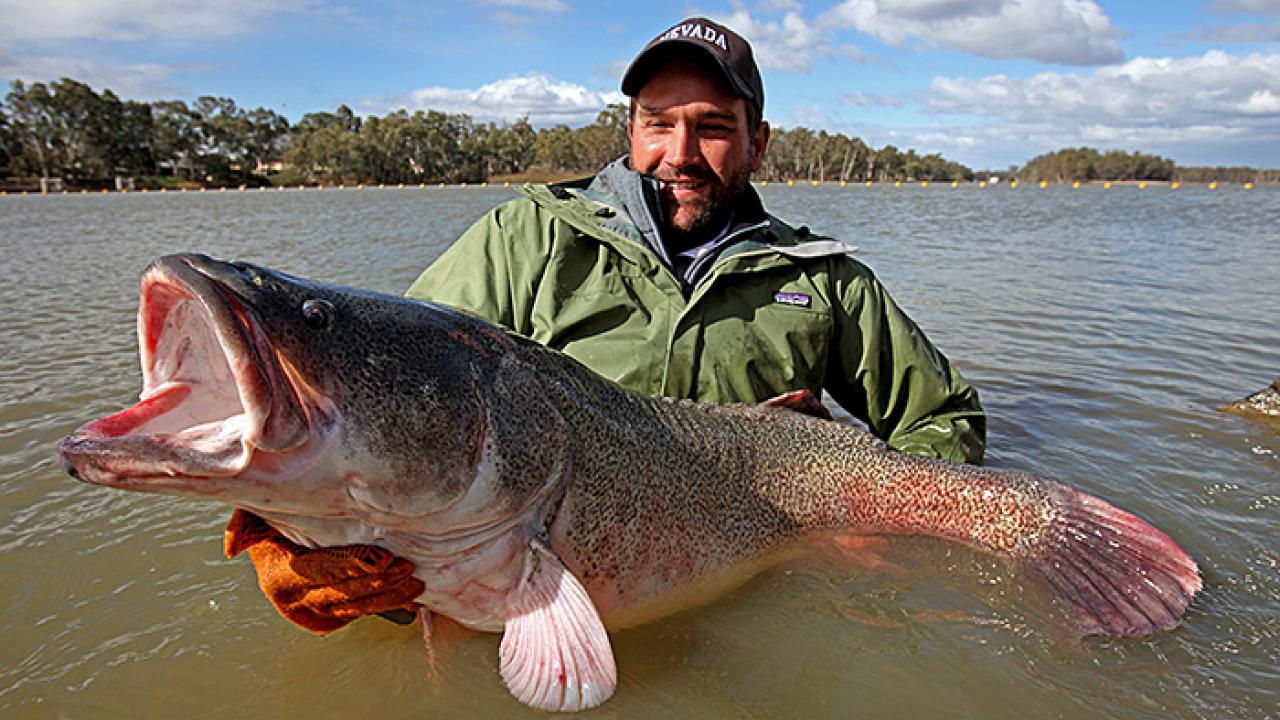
[{"x": 325, "y": 588}]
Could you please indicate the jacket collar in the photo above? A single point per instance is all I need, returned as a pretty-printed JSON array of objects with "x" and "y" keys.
[{"x": 625, "y": 203}]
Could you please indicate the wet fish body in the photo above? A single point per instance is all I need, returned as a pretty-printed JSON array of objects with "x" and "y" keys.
[{"x": 538, "y": 499}]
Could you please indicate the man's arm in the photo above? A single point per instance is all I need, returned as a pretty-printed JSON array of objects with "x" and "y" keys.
[{"x": 883, "y": 364}]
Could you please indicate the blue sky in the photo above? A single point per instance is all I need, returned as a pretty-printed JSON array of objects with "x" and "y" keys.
[{"x": 986, "y": 82}]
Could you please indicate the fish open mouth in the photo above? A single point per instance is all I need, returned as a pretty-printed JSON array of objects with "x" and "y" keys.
[{"x": 215, "y": 393}]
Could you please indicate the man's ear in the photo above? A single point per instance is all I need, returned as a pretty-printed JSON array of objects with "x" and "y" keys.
[{"x": 759, "y": 142}]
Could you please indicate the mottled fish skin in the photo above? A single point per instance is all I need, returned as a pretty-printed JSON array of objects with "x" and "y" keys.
[
  {"x": 515, "y": 478},
  {"x": 667, "y": 495}
]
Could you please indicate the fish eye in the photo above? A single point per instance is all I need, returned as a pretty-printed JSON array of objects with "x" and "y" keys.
[{"x": 318, "y": 313}]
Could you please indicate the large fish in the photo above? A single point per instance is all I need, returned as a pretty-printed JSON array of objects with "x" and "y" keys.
[{"x": 538, "y": 499}]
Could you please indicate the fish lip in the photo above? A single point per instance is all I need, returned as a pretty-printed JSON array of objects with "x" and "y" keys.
[{"x": 107, "y": 451}]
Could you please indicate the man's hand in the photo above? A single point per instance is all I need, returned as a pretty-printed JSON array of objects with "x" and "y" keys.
[{"x": 326, "y": 588}]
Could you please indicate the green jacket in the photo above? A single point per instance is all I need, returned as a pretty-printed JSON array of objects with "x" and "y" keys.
[{"x": 772, "y": 309}]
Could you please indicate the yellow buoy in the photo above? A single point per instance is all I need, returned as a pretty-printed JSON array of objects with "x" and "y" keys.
[
  {"x": 955, "y": 183},
  {"x": 1213, "y": 186},
  {"x": 1142, "y": 186},
  {"x": 1013, "y": 184},
  {"x": 1044, "y": 184},
  {"x": 982, "y": 184},
  {"x": 791, "y": 183},
  {"x": 843, "y": 183},
  {"x": 870, "y": 183},
  {"x": 924, "y": 183},
  {"x": 1076, "y": 185},
  {"x": 1175, "y": 185},
  {"x": 1107, "y": 185},
  {"x": 1248, "y": 186},
  {"x": 897, "y": 183},
  {"x": 814, "y": 183}
]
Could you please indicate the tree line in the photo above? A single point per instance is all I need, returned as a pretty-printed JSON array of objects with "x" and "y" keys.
[{"x": 66, "y": 129}]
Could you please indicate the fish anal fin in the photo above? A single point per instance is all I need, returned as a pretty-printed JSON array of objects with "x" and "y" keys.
[
  {"x": 855, "y": 550},
  {"x": 801, "y": 401},
  {"x": 442, "y": 637},
  {"x": 555, "y": 654}
]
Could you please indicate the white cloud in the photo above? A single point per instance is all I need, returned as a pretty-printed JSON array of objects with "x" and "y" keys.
[
  {"x": 790, "y": 44},
  {"x": 1066, "y": 32},
  {"x": 776, "y": 6},
  {"x": 1242, "y": 33},
  {"x": 862, "y": 99},
  {"x": 555, "y": 6},
  {"x": 1176, "y": 106},
  {"x": 1142, "y": 92},
  {"x": 135, "y": 82},
  {"x": 1246, "y": 7},
  {"x": 544, "y": 100},
  {"x": 139, "y": 19},
  {"x": 1261, "y": 102}
]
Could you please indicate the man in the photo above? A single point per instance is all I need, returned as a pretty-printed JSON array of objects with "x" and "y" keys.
[{"x": 665, "y": 274}]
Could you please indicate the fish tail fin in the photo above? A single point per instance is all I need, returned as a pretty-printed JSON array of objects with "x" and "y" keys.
[{"x": 1117, "y": 574}]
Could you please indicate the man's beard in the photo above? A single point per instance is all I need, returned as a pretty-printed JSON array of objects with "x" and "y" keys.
[{"x": 714, "y": 211}]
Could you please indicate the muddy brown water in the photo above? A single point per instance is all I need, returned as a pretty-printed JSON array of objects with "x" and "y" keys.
[{"x": 1102, "y": 328}]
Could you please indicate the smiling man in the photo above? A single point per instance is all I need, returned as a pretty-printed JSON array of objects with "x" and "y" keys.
[{"x": 665, "y": 273}]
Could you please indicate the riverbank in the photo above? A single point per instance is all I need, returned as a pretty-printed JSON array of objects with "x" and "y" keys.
[{"x": 514, "y": 181}]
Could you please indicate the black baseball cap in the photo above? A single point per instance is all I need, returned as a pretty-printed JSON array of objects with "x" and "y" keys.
[{"x": 700, "y": 38}]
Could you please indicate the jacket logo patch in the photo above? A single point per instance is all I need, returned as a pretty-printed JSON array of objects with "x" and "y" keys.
[{"x": 789, "y": 298}]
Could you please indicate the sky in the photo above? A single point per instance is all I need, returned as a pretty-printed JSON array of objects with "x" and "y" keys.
[{"x": 988, "y": 83}]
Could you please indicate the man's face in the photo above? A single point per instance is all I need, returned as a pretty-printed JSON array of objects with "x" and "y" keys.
[{"x": 691, "y": 132}]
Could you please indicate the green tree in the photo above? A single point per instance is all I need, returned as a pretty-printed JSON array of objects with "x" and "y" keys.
[
  {"x": 33, "y": 129},
  {"x": 557, "y": 149}
]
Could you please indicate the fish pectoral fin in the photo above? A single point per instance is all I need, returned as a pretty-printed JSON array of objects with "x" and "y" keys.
[{"x": 555, "y": 653}]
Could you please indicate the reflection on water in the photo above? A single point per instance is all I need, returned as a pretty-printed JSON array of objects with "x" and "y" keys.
[{"x": 1101, "y": 327}]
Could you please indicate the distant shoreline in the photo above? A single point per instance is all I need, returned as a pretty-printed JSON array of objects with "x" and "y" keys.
[{"x": 32, "y": 187}]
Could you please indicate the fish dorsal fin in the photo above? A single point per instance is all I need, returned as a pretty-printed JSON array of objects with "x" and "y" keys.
[
  {"x": 555, "y": 653},
  {"x": 801, "y": 401}
]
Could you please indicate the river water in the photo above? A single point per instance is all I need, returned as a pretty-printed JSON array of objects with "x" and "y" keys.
[{"x": 1102, "y": 328}]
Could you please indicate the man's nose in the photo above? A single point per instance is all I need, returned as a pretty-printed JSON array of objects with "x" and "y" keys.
[{"x": 684, "y": 148}]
